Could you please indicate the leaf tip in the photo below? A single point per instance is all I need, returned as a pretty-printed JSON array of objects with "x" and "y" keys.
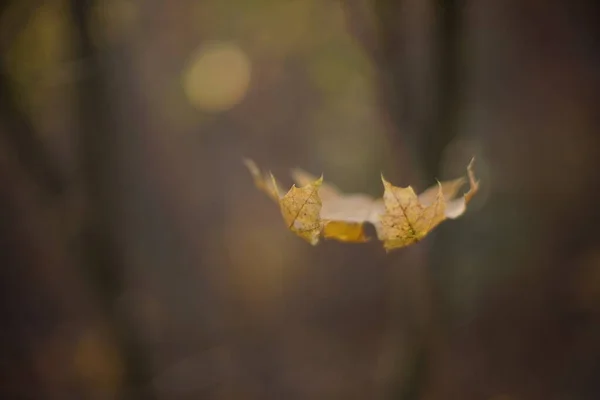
[
  {"x": 383, "y": 180},
  {"x": 274, "y": 182},
  {"x": 473, "y": 183},
  {"x": 470, "y": 166},
  {"x": 251, "y": 165},
  {"x": 319, "y": 181}
]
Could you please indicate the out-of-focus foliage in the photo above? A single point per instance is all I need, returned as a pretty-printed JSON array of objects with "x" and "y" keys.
[{"x": 217, "y": 78}]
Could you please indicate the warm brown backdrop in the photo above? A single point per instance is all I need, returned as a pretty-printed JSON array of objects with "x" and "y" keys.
[{"x": 137, "y": 261}]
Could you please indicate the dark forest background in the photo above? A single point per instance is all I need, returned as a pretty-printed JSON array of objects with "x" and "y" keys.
[{"x": 137, "y": 260}]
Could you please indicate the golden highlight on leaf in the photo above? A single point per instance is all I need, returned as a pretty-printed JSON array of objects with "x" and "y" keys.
[
  {"x": 406, "y": 220},
  {"x": 315, "y": 209},
  {"x": 345, "y": 231},
  {"x": 301, "y": 210}
]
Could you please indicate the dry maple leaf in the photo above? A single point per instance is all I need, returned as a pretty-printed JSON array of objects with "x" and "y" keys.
[
  {"x": 300, "y": 206},
  {"x": 408, "y": 218},
  {"x": 401, "y": 218},
  {"x": 342, "y": 215}
]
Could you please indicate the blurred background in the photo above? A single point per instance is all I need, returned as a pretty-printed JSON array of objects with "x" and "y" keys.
[{"x": 138, "y": 261}]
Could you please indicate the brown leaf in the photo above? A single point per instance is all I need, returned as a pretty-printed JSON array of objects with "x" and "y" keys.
[
  {"x": 406, "y": 220},
  {"x": 401, "y": 218},
  {"x": 301, "y": 209},
  {"x": 300, "y": 206},
  {"x": 343, "y": 215}
]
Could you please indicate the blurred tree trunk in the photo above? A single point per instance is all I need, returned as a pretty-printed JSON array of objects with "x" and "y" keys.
[
  {"x": 102, "y": 161},
  {"x": 64, "y": 334},
  {"x": 420, "y": 59},
  {"x": 417, "y": 50},
  {"x": 35, "y": 267},
  {"x": 521, "y": 80}
]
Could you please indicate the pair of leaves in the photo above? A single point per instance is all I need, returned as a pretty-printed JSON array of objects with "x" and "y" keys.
[{"x": 315, "y": 209}]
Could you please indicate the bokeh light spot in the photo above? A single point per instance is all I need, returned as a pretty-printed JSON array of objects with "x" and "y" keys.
[{"x": 217, "y": 77}]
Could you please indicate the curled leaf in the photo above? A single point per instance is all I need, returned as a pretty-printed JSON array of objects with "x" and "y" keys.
[
  {"x": 406, "y": 220},
  {"x": 315, "y": 209},
  {"x": 300, "y": 206},
  {"x": 301, "y": 210},
  {"x": 457, "y": 207},
  {"x": 343, "y": 215}
]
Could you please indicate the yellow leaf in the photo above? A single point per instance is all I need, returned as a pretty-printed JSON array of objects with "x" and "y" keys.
[
  {"x": 326, "y": 191},
  {"x": 344, "y": 231},
  {"x": 408, "y": 218},
  {"x": 405, "y": 220},
  {"x": 300, "y": 206},
  {"x": 401, "y": 218},
  {"x": 343, "y": 215},
  {"x": 301, "y": 209}
]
